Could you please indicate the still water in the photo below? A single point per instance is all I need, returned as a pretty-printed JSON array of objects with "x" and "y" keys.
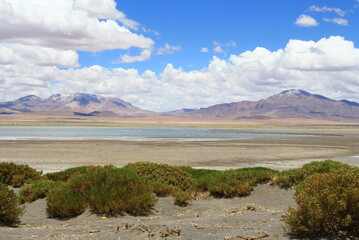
[{"x": 31, "y": 132}]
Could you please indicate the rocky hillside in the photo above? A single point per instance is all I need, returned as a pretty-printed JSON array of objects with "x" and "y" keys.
[
  {"x": 287, "y": 104},
  {"x": 79, "y": 103}
]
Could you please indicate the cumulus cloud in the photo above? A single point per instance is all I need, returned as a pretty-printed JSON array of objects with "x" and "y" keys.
[
  {"x": 339, "y": 21},
  {"x": 118, "y": 81},
  {"x": 328, "y": 54},
  {"x": 218, "y": 49},
  {"x": 329, "y": 66},
  {"x": 68, "y": 25},
  {"x": 14, "y": 53},
  {"x": 105, "y": 9},
  {"x": 338, "y": 11},
  {"x": 223, "y": 47},
  {"x": 145, "y": 55},
  {"x": 168, "y": 49},
  {"x": 306, "y": 21}
]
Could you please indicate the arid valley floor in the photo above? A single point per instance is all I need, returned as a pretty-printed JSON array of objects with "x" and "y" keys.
[{"x": 257, "y": 215}]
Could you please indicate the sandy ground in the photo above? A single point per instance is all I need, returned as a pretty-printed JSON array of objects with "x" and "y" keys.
[
  {"x": 69, "y": 117},
  {"x": 258, "y": 214},
  {"x": 274, "y": 152}
]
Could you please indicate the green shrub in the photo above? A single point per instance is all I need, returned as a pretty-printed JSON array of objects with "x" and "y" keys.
[
  {"x": 10, "y": 211},
  {"x": 181, "y": 197},
  {"x": 199, "y": 176},
  {"x": 228, "y": 183},
  {"x": 259, "y": 174},
  {"x": 198, "y": 173},
  {"x": 162, "y": 189},
  {"x": 114, "y": 191},
  {"x": 240, "y": 182},
  {"x": 328, "y": 204},
  {"x": 63, "y": 202},
  {"x": 162, "y": 173},
  {"x": 69, "y": 173},
  {"x": 108, "y": 190},
  {"x": 37, "y": 189},
  {"x": 292, "y": 177},
  {"x": 17, "y": 175}
]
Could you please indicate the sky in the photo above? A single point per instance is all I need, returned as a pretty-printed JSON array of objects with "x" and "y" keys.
[{"x": 166, "y": 55}]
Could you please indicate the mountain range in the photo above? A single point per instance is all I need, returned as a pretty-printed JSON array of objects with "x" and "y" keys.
[
  {"x": 292, "y": 103},
  {"x": 79, "y": 104}
]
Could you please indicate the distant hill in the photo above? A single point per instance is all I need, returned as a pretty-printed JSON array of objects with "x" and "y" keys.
[
  {"x": 292, "y": 103},
  {"x": 79, "y": 104},
  {"x": 287, "y": 104}
]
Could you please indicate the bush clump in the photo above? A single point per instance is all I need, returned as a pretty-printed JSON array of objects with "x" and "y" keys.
[
  {"x": 37, "y": 189},
  {"x": 162, "y": 175},
  {"x": 239, "y": 182},
  {"x": 328, "y": 204},
  {"x": 10, "y": 211},
  {"x": 109, "y": 191},
  {"x": 182, "y": 198},
  {"x": 292, "y": 177},
  {"x": 17, "y": 175},
  {"x": 63, "y": 202},
  {"x": 69, "y": 173}
]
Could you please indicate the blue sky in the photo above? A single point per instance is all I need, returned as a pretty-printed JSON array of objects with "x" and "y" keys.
[
  {"x": 193, "y": 25},
  {"x": 163, "y": 55}
]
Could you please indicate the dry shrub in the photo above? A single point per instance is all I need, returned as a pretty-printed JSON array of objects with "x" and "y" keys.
[
  {"x": 17, "y": 175},
  {"x": 292, "y": 177},
  {"x": 163, "y": 189},
  {"x": 182, "y": 198},
  {"x": 69, "y": 173},
  {"x": 37, "y": 189},
  {"x": 240, "y": 182},
  {"x": 10, "y": 211},
  {"x": 328, "y": 204},
  {"x": 108, "y": 190},
  {"x": 162, "y": 173},
  {"x": 63, "y": 202}
]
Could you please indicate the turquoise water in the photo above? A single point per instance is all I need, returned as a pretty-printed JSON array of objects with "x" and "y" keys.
[{"x": 16, "y": 132}]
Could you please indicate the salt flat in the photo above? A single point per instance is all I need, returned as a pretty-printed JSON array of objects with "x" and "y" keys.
[{"x": 277, "y": 152}]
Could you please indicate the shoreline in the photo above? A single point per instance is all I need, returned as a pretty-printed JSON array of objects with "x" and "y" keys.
[
  {"x": 258, "y": 214},
  {"x": 213, "y": 153},
  {"x": 282, "y": 165}
]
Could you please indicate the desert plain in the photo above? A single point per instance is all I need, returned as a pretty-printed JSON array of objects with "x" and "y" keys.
[{"x": 257, "y": 216}]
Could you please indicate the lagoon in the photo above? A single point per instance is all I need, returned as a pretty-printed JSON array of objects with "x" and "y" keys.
[{"x": 86, "y": 132}]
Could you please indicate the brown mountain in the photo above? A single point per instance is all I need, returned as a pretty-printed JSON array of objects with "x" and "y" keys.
[
  {"x": 287, "y": 104},
  {"x": 79, "y": 104}
]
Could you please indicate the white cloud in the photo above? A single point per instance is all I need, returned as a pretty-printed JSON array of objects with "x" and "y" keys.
[
  {"x": 218, "y": 49},
  {"x": 14, "y": 53},
  {"x": 105, "y": 9},
  {"x": 222, "y": 47},
  {"x": 56, "y": 24},
  {"x": 328, "y": 54},
  {"x": 228, "y": 44},
  {"x": 306, "y": 21},
  {"x": 329, "y": 67},
  {"x": 204, "y": 50},
  {"x": 24, "y": 79},
  {"x": 147, "y": 30},
  {"x": 145, "y": 55},
  {"x": 339, "y": 21},
  {"x": 338, "y": 11},
  {"x": 168, "y": 49}
]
